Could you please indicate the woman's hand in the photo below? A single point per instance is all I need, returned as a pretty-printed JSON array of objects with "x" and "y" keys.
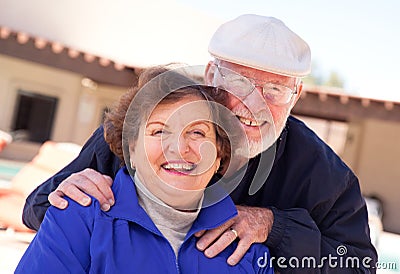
[
  {"x": 252, "y": 225},
  {"x": 76, "y": 186}
]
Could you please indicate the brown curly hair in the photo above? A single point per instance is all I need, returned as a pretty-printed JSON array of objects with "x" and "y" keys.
[
  {"x": 154, "y": 87},
  {"x": 114, "y": 120}
]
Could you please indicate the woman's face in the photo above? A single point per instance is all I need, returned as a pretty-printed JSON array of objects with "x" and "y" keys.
[{"x": 175, "y": 154}]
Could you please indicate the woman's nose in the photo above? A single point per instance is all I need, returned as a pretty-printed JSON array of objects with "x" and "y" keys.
[{"x": 178, "y": 144}]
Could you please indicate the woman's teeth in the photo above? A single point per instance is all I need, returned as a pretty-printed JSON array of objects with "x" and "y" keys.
[{"x": 179, "y": 166}]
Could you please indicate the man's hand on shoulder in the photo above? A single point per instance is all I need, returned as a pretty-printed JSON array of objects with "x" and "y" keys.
[
  {"x": 78, "y": 185},
  {"x": 252, "y": 225}
]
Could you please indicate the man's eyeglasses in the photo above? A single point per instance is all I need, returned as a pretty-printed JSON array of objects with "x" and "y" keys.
[{"x": 242, "y": 87}]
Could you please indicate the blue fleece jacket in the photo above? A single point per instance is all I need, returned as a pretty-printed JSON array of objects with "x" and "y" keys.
[{"x": 125, "y": 240}]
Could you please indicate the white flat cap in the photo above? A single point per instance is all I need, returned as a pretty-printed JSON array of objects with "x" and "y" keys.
[{"x": 263, "y": 43}]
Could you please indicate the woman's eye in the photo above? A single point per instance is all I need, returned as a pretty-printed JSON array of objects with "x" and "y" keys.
[
  {"x": 201, "y": 133},
  {"x": 158, "y": 132},
  {"x": 198, "y": 133}
]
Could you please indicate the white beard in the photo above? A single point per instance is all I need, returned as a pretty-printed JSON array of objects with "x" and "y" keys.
[
  {"x": 255, "y": 147},
  {"x": 252, "y": 147}
]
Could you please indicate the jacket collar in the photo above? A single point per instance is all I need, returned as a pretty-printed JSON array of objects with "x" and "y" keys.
[
  {"x": 127, "y": 207},
  {"x": 281, "y": 142}
]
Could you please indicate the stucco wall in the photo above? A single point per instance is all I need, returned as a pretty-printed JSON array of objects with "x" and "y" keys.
[
  {"x": 79, "y": 108},
  {"x": 373, "y": 151}
]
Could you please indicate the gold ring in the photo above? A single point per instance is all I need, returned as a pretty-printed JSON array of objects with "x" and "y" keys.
[{"x": 234, "y": 232}]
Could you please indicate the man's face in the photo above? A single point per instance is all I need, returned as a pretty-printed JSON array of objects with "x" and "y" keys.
[{"x": 261, "y": 120}]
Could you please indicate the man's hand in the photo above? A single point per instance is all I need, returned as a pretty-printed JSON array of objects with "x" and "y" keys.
[
  {"x": 252, "y": 225},
  {"x": 86, "y": 181}
]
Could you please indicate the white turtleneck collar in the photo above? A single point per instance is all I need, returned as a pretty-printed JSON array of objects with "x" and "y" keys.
[{"x": 172, "y": 223}]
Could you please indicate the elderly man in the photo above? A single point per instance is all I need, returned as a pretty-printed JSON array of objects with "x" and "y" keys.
[{"x": 308, "y": 208}]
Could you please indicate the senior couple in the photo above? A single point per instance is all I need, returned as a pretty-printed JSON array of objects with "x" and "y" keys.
[{"x": 175, "y": 182}]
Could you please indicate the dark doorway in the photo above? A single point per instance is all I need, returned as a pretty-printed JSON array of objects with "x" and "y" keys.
[{"x": 34, "y": 115}]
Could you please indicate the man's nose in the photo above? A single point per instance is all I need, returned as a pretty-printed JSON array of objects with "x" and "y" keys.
[{"x": 255, "y": 100}]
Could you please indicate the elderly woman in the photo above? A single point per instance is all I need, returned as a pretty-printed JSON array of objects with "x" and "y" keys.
[{"x": 172, "y": 146}]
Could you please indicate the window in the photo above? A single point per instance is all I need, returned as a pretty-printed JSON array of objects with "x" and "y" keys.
[{"x": 34, "y": 116}]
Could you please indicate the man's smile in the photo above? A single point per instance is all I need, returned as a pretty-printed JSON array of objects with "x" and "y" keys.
[{"x": 251, "y": 122}]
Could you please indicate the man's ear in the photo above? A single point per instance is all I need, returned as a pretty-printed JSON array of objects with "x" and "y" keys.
[
  {"x": 209, "y": 73},
  {"x": 298, "y": 94}
]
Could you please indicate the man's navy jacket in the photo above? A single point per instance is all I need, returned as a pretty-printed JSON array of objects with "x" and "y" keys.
[{"x": 320, "y": 217}]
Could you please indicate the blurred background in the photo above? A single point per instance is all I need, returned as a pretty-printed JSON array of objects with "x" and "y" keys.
[{"x": 64, "y": 64}]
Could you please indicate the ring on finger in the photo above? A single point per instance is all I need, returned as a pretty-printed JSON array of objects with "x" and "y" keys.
[{"x": 234, "y": 232}]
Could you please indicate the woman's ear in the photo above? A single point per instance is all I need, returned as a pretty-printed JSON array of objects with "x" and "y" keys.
[
  {"x": 131, "y": 156},
  {"x": 209, "y": 73},
  {"x": 217, "y": 164}
]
